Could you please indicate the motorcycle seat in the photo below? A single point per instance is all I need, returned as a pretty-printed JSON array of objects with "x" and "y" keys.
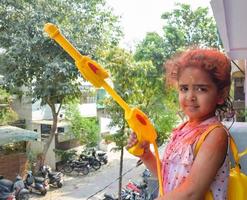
[
  {"x": 39, "y": 179},
  {"x": 53, "y": 173},
  {"x": 7, "y": 183},
  {"x": 101, "y": 153}
]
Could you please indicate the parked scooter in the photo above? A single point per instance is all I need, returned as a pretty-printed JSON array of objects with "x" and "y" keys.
[
  {"x": 4, "y": 195},
  {"x": 39, "y": 184},
  {"x": 10, "y": 190},
  {"x": 55, "y": 178},
  {"x": 100, "y": 155},
  {"x": 92, "y": 161}
]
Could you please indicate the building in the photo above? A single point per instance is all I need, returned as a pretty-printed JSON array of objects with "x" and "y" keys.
[{"x": 39, "y": 119}]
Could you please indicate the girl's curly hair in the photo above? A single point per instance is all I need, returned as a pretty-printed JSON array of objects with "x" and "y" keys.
[{"x": 216, "y": 63}]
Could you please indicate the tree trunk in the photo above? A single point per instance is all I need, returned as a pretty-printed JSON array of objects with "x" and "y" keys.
[
  {"x": 52, "y": 133},
  {"x": 120, "y": 173}
]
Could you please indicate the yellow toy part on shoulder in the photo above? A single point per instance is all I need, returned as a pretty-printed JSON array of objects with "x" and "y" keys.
[{"x": 237, "y": 182}]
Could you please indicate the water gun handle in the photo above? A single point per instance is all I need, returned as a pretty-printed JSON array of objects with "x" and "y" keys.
[{"x": 143, "y": 128}]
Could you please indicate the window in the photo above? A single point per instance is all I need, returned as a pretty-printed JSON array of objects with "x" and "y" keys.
[
  {"x": 45, "y": 128},
  {"x": 60, "y": 130}
]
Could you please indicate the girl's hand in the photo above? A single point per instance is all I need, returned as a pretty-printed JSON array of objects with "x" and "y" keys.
[{"x": 132, "y": 141}]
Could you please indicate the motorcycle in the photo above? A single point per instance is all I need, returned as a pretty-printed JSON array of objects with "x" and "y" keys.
[
  {"x": 39, "y": 184},
  {"x": 101, "y": 156},
  {"x": 10, "y": 190},
  {"x": 152, "y": 184},
  {"x": 6, "y": 195},
  {"x": 78, "y": 166},
  {"x": 138, "y": 191},
  {"x": 92, "y": 161},
  {"x": 55, "y": 178}
]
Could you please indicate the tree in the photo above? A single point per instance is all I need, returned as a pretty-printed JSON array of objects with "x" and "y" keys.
[
  {"x": 151, "y": 48},
  {"x": 185, "y": 27},
  {"x": 7, "y": 115},
  {"x": 86, "y": 130},
  {"x": 140, "y": 86},
  {"x": 33, "y": 60}
]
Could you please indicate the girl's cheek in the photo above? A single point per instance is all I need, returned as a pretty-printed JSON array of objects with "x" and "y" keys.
[{"x": 180, "y": 98}]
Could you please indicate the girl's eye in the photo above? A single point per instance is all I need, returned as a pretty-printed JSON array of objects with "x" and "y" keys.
[
  {"x": 201, "y": 89},
  {"x": 183, "y": 88}
]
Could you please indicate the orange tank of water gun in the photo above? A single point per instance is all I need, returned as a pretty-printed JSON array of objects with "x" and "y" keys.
[{"x": 96, "y": 74}]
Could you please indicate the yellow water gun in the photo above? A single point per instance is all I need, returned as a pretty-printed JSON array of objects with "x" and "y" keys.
[{"x": 96, "y": 74}]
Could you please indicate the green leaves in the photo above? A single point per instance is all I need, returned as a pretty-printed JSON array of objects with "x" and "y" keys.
[
  {"x": 34, "y": 60},
  {"x": 186, "y": 27},
  {"x": 141, "y": 85},
  {"x": 7, "y": 115},
  {"x": 86, "y": 130}
]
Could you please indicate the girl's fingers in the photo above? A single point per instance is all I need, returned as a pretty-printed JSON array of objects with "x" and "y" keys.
[
  {"x": 132, "y": 140},
  {"x": 144, "y": 144}
]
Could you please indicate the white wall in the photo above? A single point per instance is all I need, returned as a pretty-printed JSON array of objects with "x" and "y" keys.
[
  {"x": 36, "y": 147},
  {"x": 44, "y": 112},
  {"x": 88, "y": 110},
  {"x": 23, "y": 108},
  {"x": 104, "y": 126}
]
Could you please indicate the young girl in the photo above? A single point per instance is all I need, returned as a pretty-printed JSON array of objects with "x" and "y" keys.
[{"x": 203, "y": 81}]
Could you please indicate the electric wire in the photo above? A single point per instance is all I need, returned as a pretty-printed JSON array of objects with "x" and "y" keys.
[{"x": 154, "y": 190}]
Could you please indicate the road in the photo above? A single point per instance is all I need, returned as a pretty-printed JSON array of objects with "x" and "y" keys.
[{"x": 96, "y": 183}]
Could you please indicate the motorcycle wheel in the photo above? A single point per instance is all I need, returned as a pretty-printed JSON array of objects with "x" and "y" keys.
[
  {"x": 105, "y": 161},
  {"x": 43, "y": 192},
  {"x": 84, "y": 170},
  {"x": 67, "y": 169},
  {"x": 59, "y": 184},
  {"x": 23, "y": 197},
  {"x": 96, "y": 164}
]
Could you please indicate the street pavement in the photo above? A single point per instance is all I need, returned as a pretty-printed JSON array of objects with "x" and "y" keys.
[{"x": 96, "y": 183}]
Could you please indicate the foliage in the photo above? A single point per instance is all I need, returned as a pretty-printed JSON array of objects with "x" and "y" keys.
[
  {"x": 140, "y": 85},
  {"x": 33, "y": 60},
  {"x": 185, "y": 27},
  {"x": 7, "y": 115},
  {"x": 151, "y": 49},
  {"x": 11, "y": 148},
  {"x": 65, "y": 155},
  {"x": 119, "y": 138},
  {"x": 243, "y": 114},
  {"x": 86, "y": 130}
]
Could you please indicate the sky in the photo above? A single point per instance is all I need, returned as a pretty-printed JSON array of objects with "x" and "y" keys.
[{"x": 141, "y": 16}]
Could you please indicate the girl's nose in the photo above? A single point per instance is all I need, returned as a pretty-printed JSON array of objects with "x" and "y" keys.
[{"x": 191, "y": 96}]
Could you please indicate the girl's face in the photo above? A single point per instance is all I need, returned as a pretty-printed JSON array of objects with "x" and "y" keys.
[{"x": 198, "y": 94}]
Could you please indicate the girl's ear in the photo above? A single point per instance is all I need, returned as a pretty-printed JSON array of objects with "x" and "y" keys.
[{"x": 223, "y": 94}]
